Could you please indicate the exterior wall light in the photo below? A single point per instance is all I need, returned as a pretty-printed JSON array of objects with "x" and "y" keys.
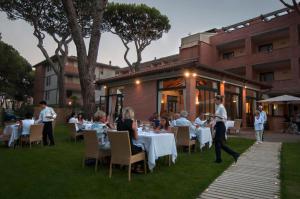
[
  {"x": 223, "y": 81},
  {"x": 186, "y": 74},
  {"x": 194, "y": 74},
  {"x": 104, "y": 87},
  {"x": 137, "y": 82}
]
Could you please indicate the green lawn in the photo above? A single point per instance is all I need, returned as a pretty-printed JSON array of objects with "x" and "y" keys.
[
  {"x": 56, "y": 172},
  {"x": 290, "y": 171}
]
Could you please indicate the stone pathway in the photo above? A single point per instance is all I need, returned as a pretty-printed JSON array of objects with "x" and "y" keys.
[{"x": 255, "y": 175}]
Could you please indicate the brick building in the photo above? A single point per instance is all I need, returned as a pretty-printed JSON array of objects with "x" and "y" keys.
[
  {"x": 45, "y": 85},
  {"x": 254, "y": 59}
]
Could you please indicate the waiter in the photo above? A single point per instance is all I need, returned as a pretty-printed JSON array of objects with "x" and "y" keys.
[
  {"x": 47, "y": 115},
  {"x": 220, "y": 119}
]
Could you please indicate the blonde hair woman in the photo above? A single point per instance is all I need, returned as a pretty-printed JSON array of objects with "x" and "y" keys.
[{"x": 127, "y": 123}]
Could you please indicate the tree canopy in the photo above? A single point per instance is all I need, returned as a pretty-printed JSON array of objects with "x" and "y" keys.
[
  {"x": 137, "y": 23},
  {"x": 294, "y": 5},
  {"x": 16, "y": 75}
]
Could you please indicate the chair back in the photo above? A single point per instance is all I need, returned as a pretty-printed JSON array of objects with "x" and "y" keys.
[
  {"x": 120, "y": 146},
  {"x": 183, "y": 135},
  {"x": 174, "y": 130},
  {"x": 237, "y": 124},
  {"x": 91, "y": 145},
  {"x": 36, "y": 132},
  {"x": 72, "y": 129}
]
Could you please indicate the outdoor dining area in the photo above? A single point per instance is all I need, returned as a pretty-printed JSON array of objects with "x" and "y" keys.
[{"x": 105, "y": 142}]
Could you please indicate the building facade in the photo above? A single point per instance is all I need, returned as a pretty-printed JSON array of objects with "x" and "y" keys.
[
  {"x": 254, "y": 59},
  {"x": 46, "y": 88}
]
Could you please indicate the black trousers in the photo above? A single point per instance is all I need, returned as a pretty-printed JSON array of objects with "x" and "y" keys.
[
  {"x": 220, "y": 142},
  {"x": 48, "y": 133}
]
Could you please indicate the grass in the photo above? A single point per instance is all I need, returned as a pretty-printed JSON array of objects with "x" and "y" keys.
[
  {"x": 56, "y": 172},
  {"x": 290, "y": 171}
]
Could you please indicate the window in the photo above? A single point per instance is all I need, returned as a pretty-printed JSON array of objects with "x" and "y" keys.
[
  {"x": 69, "y": 93},
  {"x": 48, "y": 81},
  {"x": 267, "y": 77},
  {"x": 228, "y": 55},
  {"x": 49, "y": 68},
  {"x": 172, "y": 83},
  {"x": 265, "y": 48},
  {"x": 47, "y": 95}
]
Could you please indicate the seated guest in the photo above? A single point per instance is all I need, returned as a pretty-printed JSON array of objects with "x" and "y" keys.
[
  {"x": 200, "y": 121},
  {"x": 80, "y": 118},
  {"x": 26, "y": 123},
  {"x": 163, "y": 125},
  {"x": 154, "y": 119},
  {"x": 174, "y": 118},
  {"x": 127, "y": 123},
  {"x": 74, "y": 120},
  {"x": 100, "y": 125},
  {"x": 183, "y": 121}
]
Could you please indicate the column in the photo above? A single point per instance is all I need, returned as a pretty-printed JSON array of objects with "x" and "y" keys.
[
  {"x": 191, "y": 97},
  {"x": 295, "y": 68},
  {"x": 222, "y": 89},
  {"x": 244, "y": 115},
  {"x": 249, "y": 72}
]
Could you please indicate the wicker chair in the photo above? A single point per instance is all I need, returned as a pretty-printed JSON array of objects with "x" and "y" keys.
[
  {"x": 73, "y": 133},
  {"x": 121, "y": 152},
  {"x": 36, "y": 135},
  {"x": 91, "y": 148},
  {"x": 183, "y": 138},
  {"x": 236, "y": 128}
]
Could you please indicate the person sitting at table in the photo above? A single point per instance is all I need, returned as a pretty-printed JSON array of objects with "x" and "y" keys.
[
  {"x": 154, "y": 119},
  {"x": 80, "y": 118},
  {"x": 174, "y": 118},
  {"x": 73, "y": 120},
  {"x": 26, "y": 123},
  {"x": 200, "y": 121},
  {"x": 163, "y": 125},
  {"x": 100, "y": 125},
  {"x": 127, "y": 123},
  {"x": 183, "y": 121}
]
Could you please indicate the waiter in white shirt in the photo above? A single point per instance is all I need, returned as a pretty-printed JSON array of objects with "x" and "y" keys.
[
  {"x": 47, "y": 115},
  {"x": 220, "y": 119}
]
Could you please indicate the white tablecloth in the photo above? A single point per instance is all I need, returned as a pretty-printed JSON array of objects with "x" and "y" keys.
[
  {"x": 229, "y": 124},
  {"x": 157, "y": 145},
  {"x": 204, "y": 136},
  {"x": 14, "y": 133}
]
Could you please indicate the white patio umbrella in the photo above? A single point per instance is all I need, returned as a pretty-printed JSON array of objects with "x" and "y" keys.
[{"x": 283, "y": 99}]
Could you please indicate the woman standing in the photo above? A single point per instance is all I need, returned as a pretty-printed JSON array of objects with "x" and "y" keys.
[{"x": 220, "y": 119}]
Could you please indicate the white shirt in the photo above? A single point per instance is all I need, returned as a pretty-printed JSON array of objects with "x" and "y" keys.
[
  {"x": 263, "y": 115},
  {"x": 74, "y": 120},
  {"x": 199, "y": 122},
  {"x": 258, "y": 123},
  {"x": 221, "y": 113},
  {"x": 45, "y": 113},
  {"x": 26, "y": 126},
  {"x": 182, "y": 121}
]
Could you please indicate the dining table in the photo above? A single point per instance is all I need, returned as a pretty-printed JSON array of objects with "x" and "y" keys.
[
  {"x": 14, "y": 131},
  {"x": 157, "y": 145},
  {"x": 204, "y": 136}
]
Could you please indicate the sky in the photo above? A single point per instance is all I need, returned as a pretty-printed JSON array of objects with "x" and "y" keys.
[{"x": 186, "y": 17}]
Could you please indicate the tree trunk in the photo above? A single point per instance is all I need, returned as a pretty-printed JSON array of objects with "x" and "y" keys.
[
  {"x": 86, "y": 63},
  {"x": 61, "y": 87}
]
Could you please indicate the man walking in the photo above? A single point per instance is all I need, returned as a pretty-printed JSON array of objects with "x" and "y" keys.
[
  {"x": 47, "y": 115},
  {"x": 220, "y": 119},
  {"x": 263, "y": 115}
]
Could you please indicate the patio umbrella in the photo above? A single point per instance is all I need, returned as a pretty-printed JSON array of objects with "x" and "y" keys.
[{"x": 283, "y": 99}]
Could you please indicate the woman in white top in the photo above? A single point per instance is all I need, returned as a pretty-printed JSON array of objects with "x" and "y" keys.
[
  {"x": 220, "y": 119},
  {"x": 258, "y": 126},
  {"x": 74, "y": 120},
  {"x": 26, "y": 123}
]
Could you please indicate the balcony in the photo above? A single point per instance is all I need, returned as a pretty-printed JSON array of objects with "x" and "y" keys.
[
  {"x": 72, "y": 86},
  {"x": 71, "y": 70}
]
